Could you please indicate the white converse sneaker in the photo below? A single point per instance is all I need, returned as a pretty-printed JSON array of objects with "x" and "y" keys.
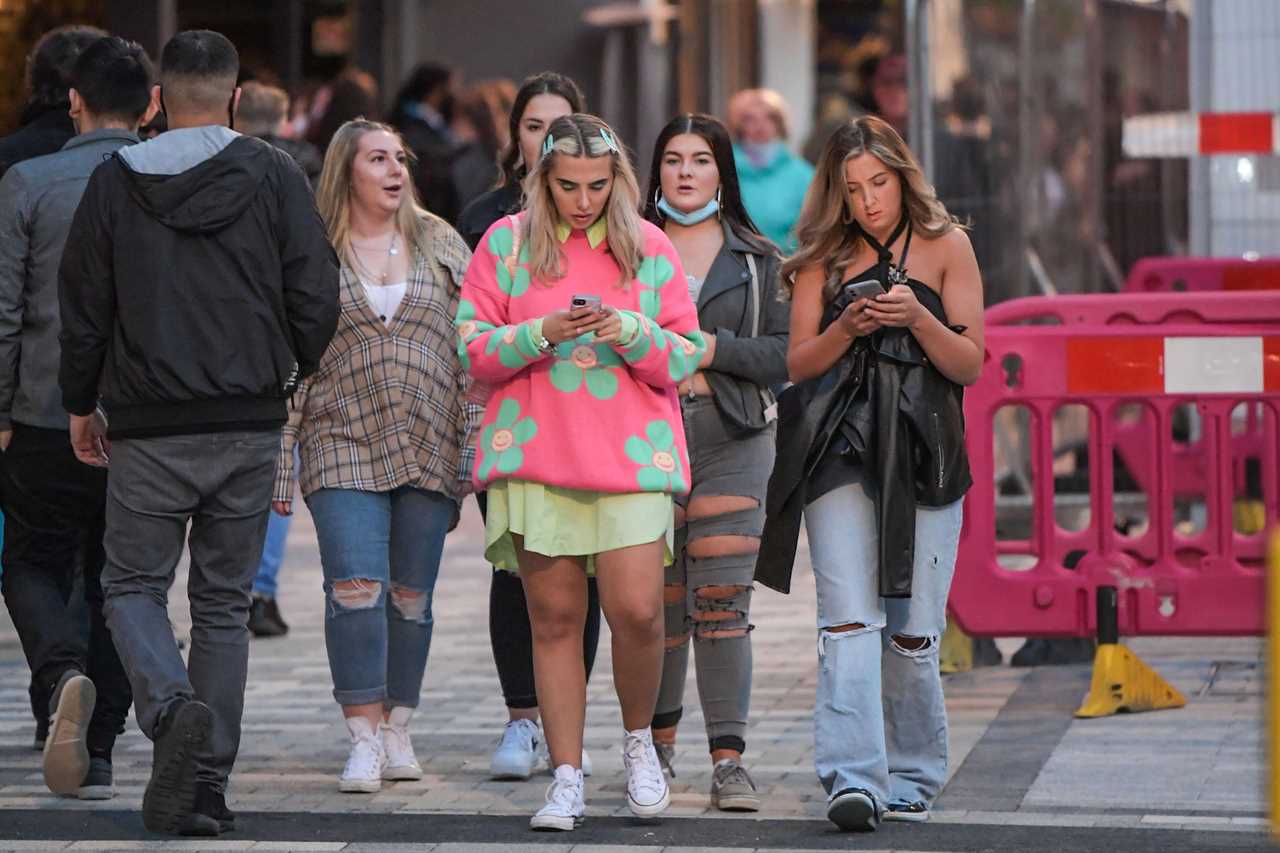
[
  {"x": 402, "y": 764},
  {"x": 565, "y": 807},
  {"x": 363, "y": 773},
  {"x": 647, "y": 792},
  {"x": 519, "y": 751}
]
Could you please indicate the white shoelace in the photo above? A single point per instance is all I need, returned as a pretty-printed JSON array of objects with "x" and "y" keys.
[
  {"x": 520, "y": 733},
  {"x": 644, "y": 774},
  {"x": 398, "y": 746},
  {"x": 563, "y": 797},
  {"x": 365, "y": 760}
]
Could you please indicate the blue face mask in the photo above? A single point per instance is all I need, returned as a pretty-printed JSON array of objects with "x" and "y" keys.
[{"x": 702, "y": 214}]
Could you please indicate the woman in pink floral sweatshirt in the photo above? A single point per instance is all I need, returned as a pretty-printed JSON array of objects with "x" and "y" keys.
[{"x": 576, "y": 320}]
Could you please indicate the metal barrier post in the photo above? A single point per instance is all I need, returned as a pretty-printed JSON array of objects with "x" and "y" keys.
[{"x": 1121, "y": 680}]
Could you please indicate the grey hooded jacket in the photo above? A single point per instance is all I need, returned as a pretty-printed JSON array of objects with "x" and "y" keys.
[{"x": 38, "y": 198}]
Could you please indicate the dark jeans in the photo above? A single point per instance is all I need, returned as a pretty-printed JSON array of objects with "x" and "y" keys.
[
  {"x": 512, "y": 638},
  {"x": 220, "y": 483},
  {"x": 53, "y": 507}
]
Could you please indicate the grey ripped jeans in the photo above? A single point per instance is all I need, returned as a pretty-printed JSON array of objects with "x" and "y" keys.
[
  {"x": 708, "y": 587},
  {"x": 220, "y": 483}
]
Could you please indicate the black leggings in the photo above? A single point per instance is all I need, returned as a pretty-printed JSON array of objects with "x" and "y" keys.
[{"x": 512, "y": 638}]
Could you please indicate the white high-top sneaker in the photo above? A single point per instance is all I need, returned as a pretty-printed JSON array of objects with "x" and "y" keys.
[
  {"x": 363, "y": 773},
  {"x": 565, "y": 806},
  {"x": 401, "y": 762},
  {"x": 647, "y": 792}
]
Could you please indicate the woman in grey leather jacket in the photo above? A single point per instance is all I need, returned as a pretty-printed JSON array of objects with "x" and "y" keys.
[{"x": 729, "y": 413}]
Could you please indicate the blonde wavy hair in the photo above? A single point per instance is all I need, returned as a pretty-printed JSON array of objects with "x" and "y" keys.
[
  {"x": 826, "y": 232},
  {"x": 333, "y": 195},
  {"x": 582, "y": 135}
]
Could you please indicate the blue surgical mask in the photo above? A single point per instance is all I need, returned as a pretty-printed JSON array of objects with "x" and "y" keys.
[
  {"x": 762, "y": 154},
  {"x": 702, "y": 214}
]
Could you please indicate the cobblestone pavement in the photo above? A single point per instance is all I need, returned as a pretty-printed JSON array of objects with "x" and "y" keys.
[{"x": 1019, "y": 761}]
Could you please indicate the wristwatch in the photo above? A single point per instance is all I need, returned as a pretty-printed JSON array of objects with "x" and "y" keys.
[{"x": 544, "y": 345}]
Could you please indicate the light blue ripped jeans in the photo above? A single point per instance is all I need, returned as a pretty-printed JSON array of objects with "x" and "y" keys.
[
  {"x": 880, "y": 723},
  {"x": 380, "y": 553}
]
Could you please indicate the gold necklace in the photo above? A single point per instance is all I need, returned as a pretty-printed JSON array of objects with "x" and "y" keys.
[{"x": 392, "y": 251}]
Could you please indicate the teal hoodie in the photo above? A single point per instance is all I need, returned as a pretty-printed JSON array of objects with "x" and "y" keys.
[{"x": 774, "y": 193}]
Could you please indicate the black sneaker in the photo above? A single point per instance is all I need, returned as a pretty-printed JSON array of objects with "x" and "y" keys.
[
  {"x": 854, "y": 809},
  {"x": 182, "y": 736},
  {"x": 265, "y": 619},
  {"x": 97, "y": 783},
  {"x": 917, "y": 812},
  {"x": 209, "y": 813},
  {"x": 66, "y": 755}
]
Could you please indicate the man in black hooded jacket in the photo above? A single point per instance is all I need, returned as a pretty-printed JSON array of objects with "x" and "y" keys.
[{"x": 196, "y": 289}]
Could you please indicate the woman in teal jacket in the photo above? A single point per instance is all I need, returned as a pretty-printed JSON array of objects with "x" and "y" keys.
[{"x": 773, "y": 179}]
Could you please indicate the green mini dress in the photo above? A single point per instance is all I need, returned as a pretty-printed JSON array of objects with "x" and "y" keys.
[{"x": 560, "y": 522}]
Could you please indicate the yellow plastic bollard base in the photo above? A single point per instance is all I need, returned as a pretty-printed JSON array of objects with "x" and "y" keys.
[
  {"x": 1122, "y": 682},
  {"x": 956, "y": 652}
]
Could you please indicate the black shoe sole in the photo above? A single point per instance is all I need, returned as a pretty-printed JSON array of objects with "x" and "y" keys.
[
  {"x": 853, "y": 813},
  {"x": 200, "y": 826},
  {"x": 171, "y": 793}
]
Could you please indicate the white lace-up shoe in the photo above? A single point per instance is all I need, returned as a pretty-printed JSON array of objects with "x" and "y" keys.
[
  {"x": 519, "y": 752},
  {"x": 363, "y": 773},
  {"x": 402, "y": 764},
  {"x": 647, "y": 792},
  {"x": 565, "y": 805}
]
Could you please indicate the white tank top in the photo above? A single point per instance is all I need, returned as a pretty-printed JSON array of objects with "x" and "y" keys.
[{"x": 385, "y": 299}]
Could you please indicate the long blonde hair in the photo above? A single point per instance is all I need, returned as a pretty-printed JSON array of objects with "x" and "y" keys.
[
  {"x": 333, "y": 195},
  {"x": 582, "y": 135},
  {"x": 826, "y": 232}
]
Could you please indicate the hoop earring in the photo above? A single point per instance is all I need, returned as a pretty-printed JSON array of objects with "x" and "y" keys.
[
  {"x": 657, "y": 196},
  {"x": 719, "y": 205}
]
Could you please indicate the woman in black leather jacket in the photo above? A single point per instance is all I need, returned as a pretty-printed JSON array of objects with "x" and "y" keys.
[
  {"x": 871, "y": 448},
  {"x": 729, "y": 415}
]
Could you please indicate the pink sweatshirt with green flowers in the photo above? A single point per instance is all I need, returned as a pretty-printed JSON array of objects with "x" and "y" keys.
[{"x": 587, "y": 415}]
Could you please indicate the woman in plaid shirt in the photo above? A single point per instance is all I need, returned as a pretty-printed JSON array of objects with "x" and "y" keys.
[{"x": 384, "y": 437}]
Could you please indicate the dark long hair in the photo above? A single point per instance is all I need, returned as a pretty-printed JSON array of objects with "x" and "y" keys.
[
  {"x": 732, "y": 210},
  {"x": 545, "y": 83}
]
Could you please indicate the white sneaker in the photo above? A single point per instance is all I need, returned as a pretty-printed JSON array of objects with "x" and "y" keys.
[
  {"x": 519, "y": 751},
  {"x": 647, "y": 792},
  {"x": 565, "y": 806},
  {"x": 402, "y": 764},
  {"x": 363, "y": 773}
]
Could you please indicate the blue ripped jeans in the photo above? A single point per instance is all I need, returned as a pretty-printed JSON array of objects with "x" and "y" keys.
[
  {"x": 380, "y": 552},
  {"x": 880, "y": 723}
]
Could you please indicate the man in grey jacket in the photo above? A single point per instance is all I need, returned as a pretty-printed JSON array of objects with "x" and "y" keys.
[{"x": 54, "y": 505}]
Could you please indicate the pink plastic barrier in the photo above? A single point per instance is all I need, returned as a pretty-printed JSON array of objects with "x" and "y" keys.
[
  {"x": 1172, "y": 275},
  {"x": 1146, "y": 309},
  {"x": 1187, "y": 406}
]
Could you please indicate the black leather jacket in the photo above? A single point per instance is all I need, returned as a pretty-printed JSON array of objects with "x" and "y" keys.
[{"x": 905, "y": 421}]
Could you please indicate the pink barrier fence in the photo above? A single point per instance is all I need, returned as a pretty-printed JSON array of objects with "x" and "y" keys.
[
  {"x": 1176, "y": 398},
  {"x": 1172, "y": 275}
]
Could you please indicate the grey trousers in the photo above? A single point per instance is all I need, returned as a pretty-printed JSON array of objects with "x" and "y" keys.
[
  {"x": 219, "y": 483},
  {"x": 722, "y": 463}
]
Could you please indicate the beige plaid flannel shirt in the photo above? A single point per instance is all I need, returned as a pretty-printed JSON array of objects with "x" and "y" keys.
[{"x": 388, "y": 407}]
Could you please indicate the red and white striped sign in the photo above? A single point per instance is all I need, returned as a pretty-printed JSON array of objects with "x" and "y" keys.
[
  {"x": 1182, "y": 365},
  {"x": 1191, "y": 134}
]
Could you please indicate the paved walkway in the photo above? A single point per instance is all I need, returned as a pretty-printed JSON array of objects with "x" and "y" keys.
[{"x": 1026, "y": 776}]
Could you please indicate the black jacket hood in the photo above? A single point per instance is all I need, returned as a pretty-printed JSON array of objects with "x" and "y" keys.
[{"x": 209, "y": 196}]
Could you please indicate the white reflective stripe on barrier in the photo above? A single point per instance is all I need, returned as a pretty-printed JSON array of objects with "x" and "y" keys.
[{"x": 1212, "y": 365}]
